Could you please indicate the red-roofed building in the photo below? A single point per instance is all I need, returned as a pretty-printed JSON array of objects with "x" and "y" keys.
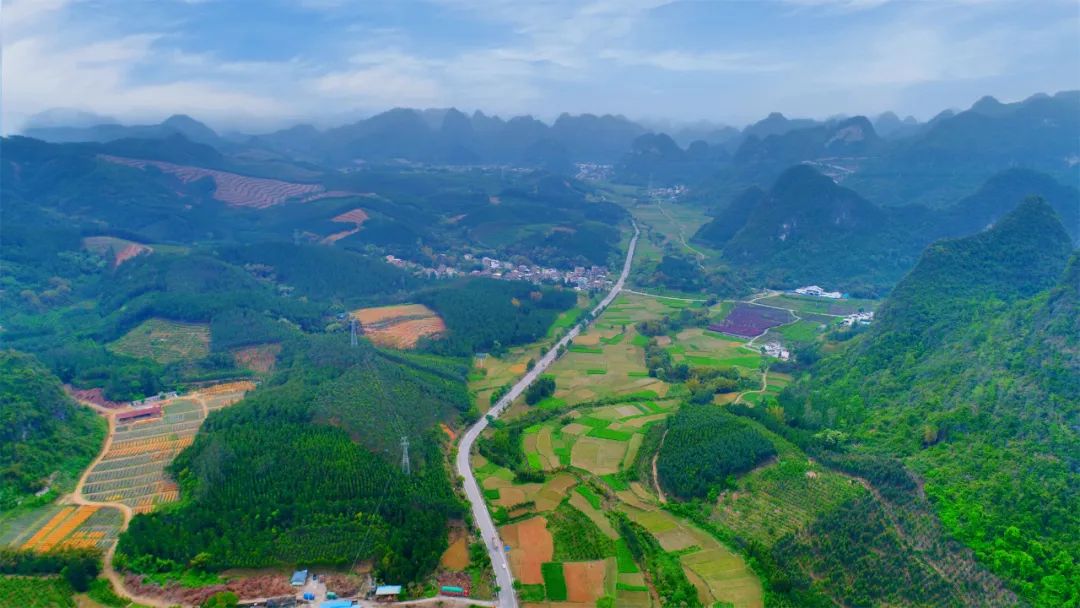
[{"x": 139, "y": 414}]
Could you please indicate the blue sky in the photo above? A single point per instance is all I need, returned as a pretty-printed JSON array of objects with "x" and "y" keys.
[{"x": 260, "y": 64}]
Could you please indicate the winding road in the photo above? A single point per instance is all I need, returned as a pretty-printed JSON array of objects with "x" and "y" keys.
[{"x": 503, "y": 577}]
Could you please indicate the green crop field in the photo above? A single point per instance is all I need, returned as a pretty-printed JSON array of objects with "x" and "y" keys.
[
  {"x": 610, "y": 434},
  {"x": 624, "y": 558},
  {"x": 35, "y": 592},
  {"x": 554, "y": 581},
  {"x": 801, "y": 331},
  {"x": 165, "y": 341}
]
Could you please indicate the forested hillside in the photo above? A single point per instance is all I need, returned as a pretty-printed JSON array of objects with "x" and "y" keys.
[
  {"x": 46, "y": 439},
  {"x": 485, "y": 314},
  {"x": 972, "y": 378},
  {"x": 808, "y": 230},
  {"x": 304, "y": 471}
]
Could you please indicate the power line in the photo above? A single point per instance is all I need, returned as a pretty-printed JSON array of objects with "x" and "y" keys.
[{"x": 405, "y": 467}]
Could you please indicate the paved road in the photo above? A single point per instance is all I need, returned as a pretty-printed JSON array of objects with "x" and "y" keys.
[{"x": 503, "y": 577}]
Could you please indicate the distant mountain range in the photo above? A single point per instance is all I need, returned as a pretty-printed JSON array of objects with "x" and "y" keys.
[
  {"x": 807, "y": 229},
  {"x": 890, "y": 160}
]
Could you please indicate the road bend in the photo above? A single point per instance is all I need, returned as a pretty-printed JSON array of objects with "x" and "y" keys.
[{"x": 503, "y": 577}]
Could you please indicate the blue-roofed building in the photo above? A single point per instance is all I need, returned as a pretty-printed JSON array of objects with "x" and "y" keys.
[
  {"x": 336, "y": 604},
  {"x": 298, "y": 578}
]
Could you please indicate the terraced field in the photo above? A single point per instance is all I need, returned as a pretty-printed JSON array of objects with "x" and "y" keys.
[
  {"x": 588, "y": 447},
  {"x": 399, "y": 326},
  {"x": 165, "y": 341},
  {"x": 234, "y": 189},
  {"x": 131, "y": 473}
]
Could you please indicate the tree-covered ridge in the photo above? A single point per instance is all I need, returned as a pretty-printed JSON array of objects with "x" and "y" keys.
[
  {"x": 808, "y": 230},
  {"x": 42, "y": 431},
  {"x": 304, "y": 472},
  {"x": 486, "y": 314},
  {"x": 704, "y": 446},
  {"x": 972, "y": 377}
]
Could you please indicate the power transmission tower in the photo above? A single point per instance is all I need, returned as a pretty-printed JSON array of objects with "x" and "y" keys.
[
  {"x": 405, "y": 455},
  {"x": 352, "y": 332}
]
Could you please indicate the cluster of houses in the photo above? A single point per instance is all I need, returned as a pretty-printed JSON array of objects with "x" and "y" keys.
[
  {"x": 594, "y": 172},
  {"x": 818, "y": 292},
  {"x": 859, "y": 318},
  {"x": 776, "y": 350},
  {"x": 670, "y": 193},
  {"x": 581, "y": 278}
]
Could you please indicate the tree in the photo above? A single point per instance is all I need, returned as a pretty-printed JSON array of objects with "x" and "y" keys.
[
  {"x": 222, "y": 599},
  {"x": 543, "y": 388}
]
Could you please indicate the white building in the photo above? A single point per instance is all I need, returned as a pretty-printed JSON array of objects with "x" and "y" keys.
[{"x": 818, "y": 292}]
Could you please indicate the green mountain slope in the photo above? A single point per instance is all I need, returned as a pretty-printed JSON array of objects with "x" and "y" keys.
[
  {"x": 304, "y": 471},
  {"x": 971, "y": 376},
  {"x": 42, "y": 431}
]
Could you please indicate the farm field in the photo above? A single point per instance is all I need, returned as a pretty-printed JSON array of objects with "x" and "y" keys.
[
  {"x": 131, "y": 473},
  {"x": 356, "y": 217},
  {"x": 234, "y": 189},
  {"x": 399, "y": 326},
  {"x": 165, "y": 341},
  {"x": 121, "y": 250},
  {"x": 586, "y": 450},
  {"x": 35, "y": 592},
  {"x": 748, "y": 320},
  {"x": 700, "y": 347},
  {"x": 822, "y": 306}
]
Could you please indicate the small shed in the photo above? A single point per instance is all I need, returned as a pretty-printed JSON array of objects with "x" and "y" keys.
[
  {"x": 138, "y": 413},
  {"x": 298, "y": 578},
  {"x": 387, "y": 593}
]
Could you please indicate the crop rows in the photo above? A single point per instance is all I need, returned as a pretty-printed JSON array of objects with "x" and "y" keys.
[
  {"x": 144, "y": 446},
  {"x": 747, "y": 320},
  {"x": 123, "y": 463},
  {"x": 178, "y": 428},
  {"x": 126, "y": 482},
  {"x": 231, "y": 188},
  {"x": 58, "y": 528},
  {"x": 122, "y": 472}
]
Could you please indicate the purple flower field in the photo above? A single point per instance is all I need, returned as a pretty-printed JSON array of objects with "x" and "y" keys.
[{"x": 747, "y": 320}]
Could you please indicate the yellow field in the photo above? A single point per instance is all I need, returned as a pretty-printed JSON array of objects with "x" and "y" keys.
[{"x": 399, "y": 326}]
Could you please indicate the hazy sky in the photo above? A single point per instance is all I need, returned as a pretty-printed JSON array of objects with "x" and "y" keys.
[{"x": 263, "y": 63}]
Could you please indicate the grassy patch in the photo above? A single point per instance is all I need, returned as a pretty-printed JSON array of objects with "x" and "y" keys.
[
  {"x": 576, "y": 537},
  {"x": 613, "y": 435},
  {"x": 596, "y": 372},
  {"x": 703, "y": 361},
  {"x": 35, "y": 592},
  {"x": 578, "y": 348},
  {"x": 628, "y": 587},
  {"x": 531, "y": 593},
  {"x": 613, "y": 339},
  {"x": 802, "y": 331},
  {"x": 624, "y": 558},
  {"x": 595, "y": 423},
  {"x": 165, "y": 341},
  {"x": 637, "y": 374},
  {"x": 550, "y": 403},
  {"x": 534, "y": 461},
  {"x": 590, "y": 495},
  {"x": 554, "y": 581},
  {"x": 617, "y": 483},
  {"x": 491, "y": 494},
  {"x": 640, "y": 340}
]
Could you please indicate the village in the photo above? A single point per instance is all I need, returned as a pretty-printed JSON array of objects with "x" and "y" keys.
[{"x": 580, "y": 277}]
